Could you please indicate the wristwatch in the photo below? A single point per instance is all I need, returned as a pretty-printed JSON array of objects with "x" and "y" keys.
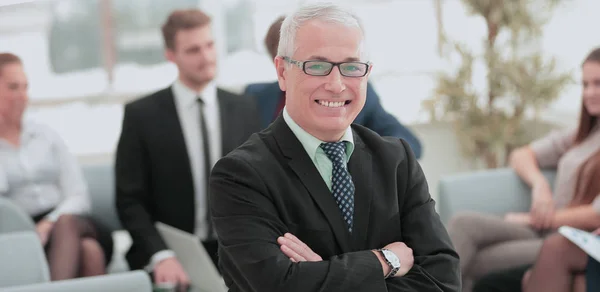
[{"x": 392, "y": 260}]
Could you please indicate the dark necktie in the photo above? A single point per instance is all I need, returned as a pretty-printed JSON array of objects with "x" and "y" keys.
[
  {"x": 207, "y": 165},
  {"x": 342, "y": 186}
]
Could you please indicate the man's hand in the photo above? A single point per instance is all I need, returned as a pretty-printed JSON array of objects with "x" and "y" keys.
[
  {"x": 526, "y": 277},
  {"x": 297, "y": 250},
  {"x": 523, "y": 219},
  {"x": 542, "y": 206},
  {"x": 43, "y": 229},
  {"x": 170, "y": 271}
]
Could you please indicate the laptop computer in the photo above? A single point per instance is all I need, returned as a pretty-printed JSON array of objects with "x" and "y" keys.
[
  {"x": 588, "y": 242},
  {"x": 194, "y": 259}
]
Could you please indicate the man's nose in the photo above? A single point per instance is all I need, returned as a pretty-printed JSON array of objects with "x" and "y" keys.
[
  {"x": 591, "y": 91},
  {"x": 205, "y": 55},
  {"x": 595, "y": 90},
  {"x": 21, "y": 93},
  {"x": 335, "y": 81}
]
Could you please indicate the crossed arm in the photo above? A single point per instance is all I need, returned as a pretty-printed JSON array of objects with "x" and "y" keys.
[
  {"x": 248, "y": 227},
  {"x": 258, "y": 254}
]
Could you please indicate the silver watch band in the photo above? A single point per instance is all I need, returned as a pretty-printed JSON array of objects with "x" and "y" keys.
[{"x": 393, "y": 270}]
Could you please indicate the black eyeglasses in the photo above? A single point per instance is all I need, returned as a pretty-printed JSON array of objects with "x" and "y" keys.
[{"x": 323, "y": 68}]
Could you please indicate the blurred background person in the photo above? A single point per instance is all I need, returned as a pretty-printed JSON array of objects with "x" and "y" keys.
[
  {"x": 41, "y": 176},
  {"x": 560, "y": 266},
  {"x": 169, "y": 143},
  {"x": 488, "y": 243},
  {"x": 271, "y": 100}
]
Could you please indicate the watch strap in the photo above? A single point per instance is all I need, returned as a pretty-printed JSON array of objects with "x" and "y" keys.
[{"x": 393, "y": 270}]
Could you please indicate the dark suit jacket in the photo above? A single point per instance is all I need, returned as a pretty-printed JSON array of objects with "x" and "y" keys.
[
  {"x": 372, "y": 116},
  {"x": 270, "y": 186},
  {"x": 153, "y": 172}
]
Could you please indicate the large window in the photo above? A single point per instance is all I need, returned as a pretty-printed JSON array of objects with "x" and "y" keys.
[
  {"x": 85, "y": 58},
  {"x": 85, "y": 48}
]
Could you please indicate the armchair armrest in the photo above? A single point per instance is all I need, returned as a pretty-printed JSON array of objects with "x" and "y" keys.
[
  {"x": 23, "y": 260},
  {"x": 121, "y": 282},
  {"x": 13, "y": 218},
  {"x": 495, "y": 191}
]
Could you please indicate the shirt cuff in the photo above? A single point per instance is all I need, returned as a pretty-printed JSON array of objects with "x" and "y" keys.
[
  {"x": 53, "y": 216},
  {"x": 157, "y": 258}
]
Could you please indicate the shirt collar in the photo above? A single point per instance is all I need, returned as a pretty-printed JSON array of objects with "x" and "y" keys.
[
  {"x": 310, "y": 143},
  {"x": 187, "y": 97},
  {"x": 29, "y": 130}
]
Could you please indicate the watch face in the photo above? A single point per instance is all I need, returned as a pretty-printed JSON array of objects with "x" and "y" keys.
[{"x": 390, "y": 256}]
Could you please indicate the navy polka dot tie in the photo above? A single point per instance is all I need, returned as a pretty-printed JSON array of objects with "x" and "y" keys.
[{"x": 342, "y": 186}]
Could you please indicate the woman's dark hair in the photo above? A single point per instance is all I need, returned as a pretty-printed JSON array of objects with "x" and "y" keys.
[{"x": 588, "y": 182}]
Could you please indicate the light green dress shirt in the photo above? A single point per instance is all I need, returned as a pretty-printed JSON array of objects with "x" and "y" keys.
[{"x": 312, "y": 146}]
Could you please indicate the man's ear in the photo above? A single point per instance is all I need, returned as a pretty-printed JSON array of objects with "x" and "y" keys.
[
  {"x": 281, "y": 71},
  {"x": 170, "y": 55}
]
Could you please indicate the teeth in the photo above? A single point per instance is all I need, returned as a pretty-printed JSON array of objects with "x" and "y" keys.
[{"x": 332, "y": 103}]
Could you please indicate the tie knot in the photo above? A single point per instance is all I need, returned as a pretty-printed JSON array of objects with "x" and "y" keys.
[
  {"x": 336, "y": 151},
  {"x": 200, "y": 100}
]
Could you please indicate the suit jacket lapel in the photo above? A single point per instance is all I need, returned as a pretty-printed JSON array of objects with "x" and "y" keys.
[
  {"x": 174, "y": 135},
  {"x": 303, "y": 166},
  {"x": 361, "y": 169},
  {"x": 172, "y": 123}
]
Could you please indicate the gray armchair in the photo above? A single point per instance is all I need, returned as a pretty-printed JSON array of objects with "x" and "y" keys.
[
  {"x": 13, "y": 218},
  {"x": 23, "y": 268},
  {"x": 136, "y": 281},
  {"x": 22, "y": 259},
  {"x": 495, "y": 191},
  {"x": 101, "y": 185},
  {"x": 100, "y": 180}
]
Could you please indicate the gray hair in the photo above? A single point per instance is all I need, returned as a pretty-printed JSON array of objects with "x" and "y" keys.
[{"x": 326, "y": 12}]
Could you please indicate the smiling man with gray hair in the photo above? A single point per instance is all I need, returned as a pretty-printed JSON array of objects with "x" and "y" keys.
[{"x": 314, "y": 203}]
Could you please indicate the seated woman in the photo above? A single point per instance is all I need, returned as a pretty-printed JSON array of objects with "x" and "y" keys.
[
  {"x": 487, "y": 243},
  {"x": 561, "y": 266},
  {"x": 39, "y": 174}
]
